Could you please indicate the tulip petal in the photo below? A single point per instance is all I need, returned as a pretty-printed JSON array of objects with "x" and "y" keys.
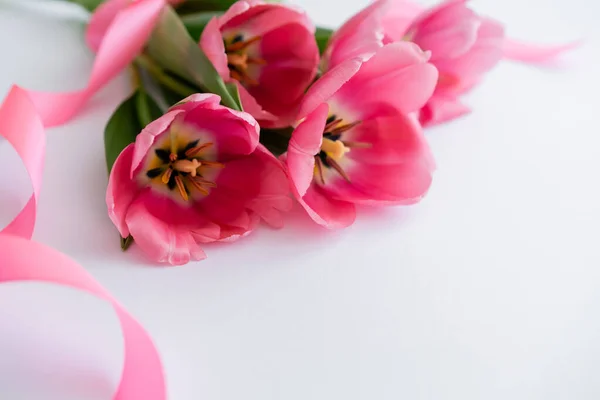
[
  {"x": 259, "y": 19},
  {"x": 252, "y": 107},
  {"x": 121, "y": 190},
  {"x": 397, "y": 75},
  {"x": 398, "y": 19},
  {"x": 327, "y": 211},
  {"x": 274, "y": 196},
  {"x": 394, "y": 139},
  {"x": 160, "y": 241},
  {"x": 291, "y": 57},
  {"x": 255, "y": 184},
  {"x": 440, "y": 109},
  {"x": 482, "y": 57},
  {"x": 361, "y": 36},
  {"x": 324, "y": 88},
  {"x": 442, "y": 16},
  {"x": 451, "y": 41},
  {"x": 304, "y": 145},
  {"x": 400, "y": 184},
  {"x": 212, "y": 45},
  {"x": 147, "y": 137}
]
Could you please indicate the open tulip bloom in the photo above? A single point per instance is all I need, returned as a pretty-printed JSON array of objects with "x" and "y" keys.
[{"x": 240, "y": 110}]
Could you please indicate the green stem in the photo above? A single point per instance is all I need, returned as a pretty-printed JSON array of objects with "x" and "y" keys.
[{"x": 143, "y": 61}]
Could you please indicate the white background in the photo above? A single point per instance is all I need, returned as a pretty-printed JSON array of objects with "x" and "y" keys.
[{"x": 488, "y": 289}]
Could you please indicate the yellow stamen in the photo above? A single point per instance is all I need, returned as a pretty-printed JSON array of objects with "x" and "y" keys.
[
  {"x": 239, "y": 60},
  {"x": 333, "y": 164},
  {"x": 243, "y": 77},
  {"x": 181, "y": 188},
  {"x": 256, "y": 60},
  {"x": 195, "y": 150},
  {"x": 237, "y": 46},
  {"x": 212, "y": 164},
  {"x": 173, "y": 145},
  {"x": 319, "y": 165},
  {"x": 205, "y": 182},
  {"x": 199, "y": 186},
  {"x": 341, "y": 129},
  {"x": 334, "y": 149},
  {"x": 235, "y": 75},
  {"x": 358, "y": 145},
  {"x": 332, "y": 125},
  {"x": 166, "y": 177},
  {"x": 189, "y": 166}
]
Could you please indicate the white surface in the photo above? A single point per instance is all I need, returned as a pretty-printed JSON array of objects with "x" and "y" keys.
[{"x": 489, "y": 289}]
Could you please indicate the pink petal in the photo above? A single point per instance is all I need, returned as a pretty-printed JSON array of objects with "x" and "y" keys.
[
  {"x": 292, "y": 58},
  {"x": 361, "y": 36},
  {"x": 208, "y": 100},
  {"x": 161, "y": 241},
  {"x": 304, "y": 145},
  {"x": 254, "y": 184},
  {"x": 482, "y": 57},
  {"x": 252, "y": 107},
  {"x": 450, "y": 42},
  {"x": 327, "y": 211},
  {"x": 147, "y": 137},
  {"x": 260, "y": 19},
  {"x": 440, "y": 109},
  {"x": 236, "y": 9},
  {"x": 535, "y": 54},
  {"x": 122, "y": 190},
  {"x": 441, "y": 16},
  {"x": 212, "y": 44},
  {"x": 393, "y": 139},
  {"x": 405, "y": 183},
  {"x": 397, "y": 75},
  {"x": 397, "y": 169},
  {"x": 274, "y": 196},
  {"x": 398, "y": 18},
  {"x": 235, "y": 133},
  {"x": 322, "y": 90}
]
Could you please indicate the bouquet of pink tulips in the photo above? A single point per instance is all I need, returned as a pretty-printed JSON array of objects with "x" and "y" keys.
[{"x": 242, "y": 108}]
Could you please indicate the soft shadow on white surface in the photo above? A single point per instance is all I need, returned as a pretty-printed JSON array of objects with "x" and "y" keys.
[
  {"x": 67, "y": 344},
  {"x": 488, "y": 289}
]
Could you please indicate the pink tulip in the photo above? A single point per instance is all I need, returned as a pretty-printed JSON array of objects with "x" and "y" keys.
[
  {"x": 195, "y": 175},
  {"x": 464, "y": 46},
  {"x": 358, "y": 141},
  {"x": 269, "y": 50}
]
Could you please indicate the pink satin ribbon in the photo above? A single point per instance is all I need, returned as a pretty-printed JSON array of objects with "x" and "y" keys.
[{"x": 23, "y": 116}]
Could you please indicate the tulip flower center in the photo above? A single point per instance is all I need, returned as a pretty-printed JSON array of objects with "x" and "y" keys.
[
  {"x": 334, "y": 147},
  {"x": 238, "y": 59},
  {"x": 181, "y": 165}
]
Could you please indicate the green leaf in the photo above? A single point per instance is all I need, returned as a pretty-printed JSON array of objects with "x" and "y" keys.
[
  {"x": 124, "y": 125},
  {"x": 322, "y": 36},
  {"x": 89, "y": 5},
  {"x": 232, "y": 88},
  {"x": 196, "y": 22},
  {"x": 174, "y": 50}
]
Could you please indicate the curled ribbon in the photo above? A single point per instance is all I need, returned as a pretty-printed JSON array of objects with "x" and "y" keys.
[{"x": 23, "y": 116}]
